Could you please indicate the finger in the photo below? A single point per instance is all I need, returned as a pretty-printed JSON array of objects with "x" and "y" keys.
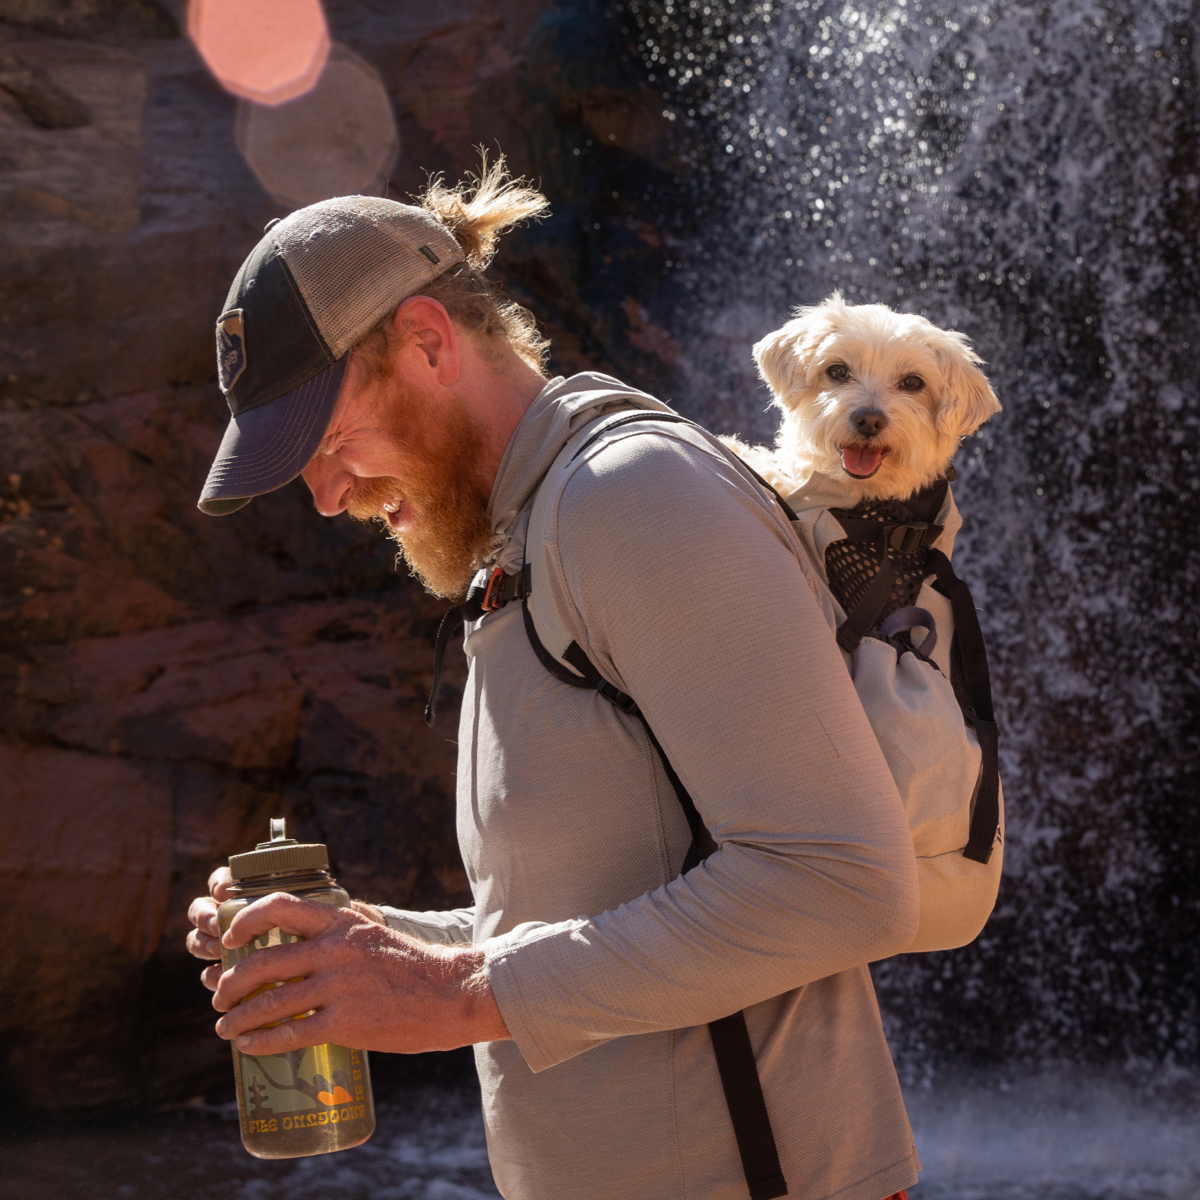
[
  {"x": 292, "y": 999},
  {"x": 202, "y": 912},
  {"x": 211, "y": 976},
  {"x": 291, "y": 1035},
  {"x": 202, "y": 946},
  {"x": 219, "y": 883},
  {"x": 275, "y": 964},
  {"x": 289, "y": 913}
]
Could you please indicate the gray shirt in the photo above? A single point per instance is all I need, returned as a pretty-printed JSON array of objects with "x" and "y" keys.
[{"x": 687, "y": 589}]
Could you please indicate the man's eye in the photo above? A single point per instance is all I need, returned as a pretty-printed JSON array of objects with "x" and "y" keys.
[
  {"x": 838, "y": 372},
  {"x": 912, "y": 383}
]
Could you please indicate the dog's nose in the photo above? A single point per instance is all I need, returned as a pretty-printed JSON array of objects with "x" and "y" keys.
[{"x": 868, "y": 421}]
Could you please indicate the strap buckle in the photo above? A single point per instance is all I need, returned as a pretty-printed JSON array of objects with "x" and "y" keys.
[
  {"x": 493, "y": 595},
  {"x": 909, "y": 538}
]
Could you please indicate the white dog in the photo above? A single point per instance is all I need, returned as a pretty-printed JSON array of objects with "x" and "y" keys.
[{"x": 875, "y": 398}]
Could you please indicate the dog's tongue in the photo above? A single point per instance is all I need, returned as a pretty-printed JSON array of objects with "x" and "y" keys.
[{"x": 861, "y": 460}]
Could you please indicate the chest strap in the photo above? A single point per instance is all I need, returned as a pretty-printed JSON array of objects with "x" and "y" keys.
[{"x": 489, "y": 593}]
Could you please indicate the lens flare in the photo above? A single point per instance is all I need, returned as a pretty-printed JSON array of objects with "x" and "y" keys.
[
  {"x": 268, "y": 51},
  {"x": 338, "y": 140}
]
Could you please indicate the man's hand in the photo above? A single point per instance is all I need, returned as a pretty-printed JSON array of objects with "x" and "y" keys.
[
  {"x": 371, "y": 987},
  {"x": 204, "y": 941}
]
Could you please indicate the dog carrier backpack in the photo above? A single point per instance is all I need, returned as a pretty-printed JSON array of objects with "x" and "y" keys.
[{"x": 894, "y": 692}]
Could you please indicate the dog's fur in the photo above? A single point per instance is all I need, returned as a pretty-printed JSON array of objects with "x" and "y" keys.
[{"x": 909, "y": 393}]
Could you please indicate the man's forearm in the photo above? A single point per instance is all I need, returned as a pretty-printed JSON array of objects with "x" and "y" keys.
[{"x": 481, "y": 1016}]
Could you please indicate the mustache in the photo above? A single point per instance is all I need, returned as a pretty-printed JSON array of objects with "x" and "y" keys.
[{"x": 370, "y": 495}]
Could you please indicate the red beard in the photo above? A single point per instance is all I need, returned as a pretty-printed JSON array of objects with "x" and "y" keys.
[{"x": 443, "y": 446}]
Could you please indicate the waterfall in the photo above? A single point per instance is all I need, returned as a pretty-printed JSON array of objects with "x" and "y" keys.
[{"x": 1026, "y": 173}]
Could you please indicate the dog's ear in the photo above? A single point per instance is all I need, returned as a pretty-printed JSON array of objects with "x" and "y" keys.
[
  {"x": 784, "y": 356},
  {"x": 967, "y": 399},
  {"x": 777, "y": 362}
]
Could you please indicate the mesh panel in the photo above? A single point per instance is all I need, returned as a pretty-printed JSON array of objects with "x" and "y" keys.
[
  {"x": 355, "y": 258},
  {"x": 851, "y": 566}
]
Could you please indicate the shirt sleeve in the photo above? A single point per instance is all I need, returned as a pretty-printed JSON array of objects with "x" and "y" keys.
[
  {"x": 685, "y": 590},
  {"x": 455, "y": 927}
]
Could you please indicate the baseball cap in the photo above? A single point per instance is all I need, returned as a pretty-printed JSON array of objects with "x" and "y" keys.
[{"x": 317, "y": 282}]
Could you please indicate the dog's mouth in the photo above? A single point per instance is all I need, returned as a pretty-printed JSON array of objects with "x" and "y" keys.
[{"x": 860, "y": 460}]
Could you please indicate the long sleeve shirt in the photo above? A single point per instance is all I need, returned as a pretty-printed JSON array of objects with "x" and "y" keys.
[{"x": 684, "y": 585}]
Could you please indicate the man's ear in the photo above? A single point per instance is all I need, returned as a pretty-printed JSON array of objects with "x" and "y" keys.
[
  {"x": 785, "y": 356},
  {"x": 967, "y": 399},
  {"x": 428, "y": 336}
]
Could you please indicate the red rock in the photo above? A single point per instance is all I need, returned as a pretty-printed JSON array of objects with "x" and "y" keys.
[{"x": 169, "y": 682}]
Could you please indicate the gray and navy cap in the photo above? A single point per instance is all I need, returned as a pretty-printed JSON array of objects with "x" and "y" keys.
[{"x": 313, "y": 287}]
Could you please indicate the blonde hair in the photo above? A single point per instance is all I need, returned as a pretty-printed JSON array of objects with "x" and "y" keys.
[{"x": 477, "y": 211}]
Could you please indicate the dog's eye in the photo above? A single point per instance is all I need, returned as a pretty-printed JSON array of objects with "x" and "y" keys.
[
  {"x": 912, "y": 383},
  {"x": 838, "y": 372}
]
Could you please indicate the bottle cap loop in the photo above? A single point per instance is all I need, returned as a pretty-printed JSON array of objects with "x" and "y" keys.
[{"x": 279, "y": 855}]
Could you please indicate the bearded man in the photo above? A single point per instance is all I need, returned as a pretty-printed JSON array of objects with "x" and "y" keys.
[{"x": 602, "y": 987}]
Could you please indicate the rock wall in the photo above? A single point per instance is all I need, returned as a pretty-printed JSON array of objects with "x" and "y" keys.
[{"x": 169, "y": 681}]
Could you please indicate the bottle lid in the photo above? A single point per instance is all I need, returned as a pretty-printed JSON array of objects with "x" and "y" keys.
[{"x": 280, "y": 854}]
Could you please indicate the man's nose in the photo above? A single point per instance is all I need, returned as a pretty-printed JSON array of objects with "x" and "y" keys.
[
  {"x": 330, "y": 485},
  {"x": 868, "y": 421}
]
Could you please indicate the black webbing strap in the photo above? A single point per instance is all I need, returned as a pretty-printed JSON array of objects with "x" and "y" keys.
[
  {"x": 787, "y": 508},
  {"x": 910, "y": 537},
  {"x": 702, "y": 844},
  {"x": 744, "y": 1096},
  {"x": 642, "y": 414},
  {"x": 866, "y": 612},
  {"x": 730, "y": 1038},
  {"x": 917, "y": 535},
  {"x": 968, "y": 645},
  {"x": 651, "y": 415},
  {"x": 499, "y": 589}
]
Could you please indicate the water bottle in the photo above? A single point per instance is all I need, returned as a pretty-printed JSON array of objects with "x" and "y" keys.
[{"x": 309, "y": 1101}]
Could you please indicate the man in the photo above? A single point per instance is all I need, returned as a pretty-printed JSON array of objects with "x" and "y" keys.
[{"x": 363, "y": 348}]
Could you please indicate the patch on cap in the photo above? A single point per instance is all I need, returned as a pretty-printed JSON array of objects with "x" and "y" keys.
[{"x": 231, "y": 348}]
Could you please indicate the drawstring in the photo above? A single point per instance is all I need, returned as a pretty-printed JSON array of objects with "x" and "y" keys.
[{"x": 452, "y": 622}]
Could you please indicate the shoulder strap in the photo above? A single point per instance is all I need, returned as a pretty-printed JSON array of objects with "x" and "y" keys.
[
  {"x": 489, "y": 593},
  {"x": 730, "y": 1036},
  {"x": 968, "y": 645},
  {"x": 588, "y": 677},
  {"x": 629, "y": 419}
]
